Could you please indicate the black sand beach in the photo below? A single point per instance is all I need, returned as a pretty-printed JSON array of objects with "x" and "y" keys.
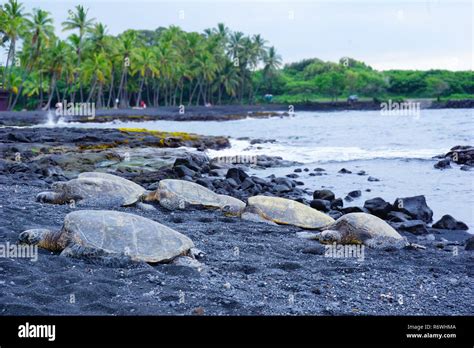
[{"x": 248, "y": 268}]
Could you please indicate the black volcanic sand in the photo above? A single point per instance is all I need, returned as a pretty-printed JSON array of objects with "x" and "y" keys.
[
  {"x": 250, "y": 268},
  {"x": 274, "y": 272}
]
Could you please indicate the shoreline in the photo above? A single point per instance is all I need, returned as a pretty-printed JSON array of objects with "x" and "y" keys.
[
  {"x": 277, "y": 271},
  {"x": 201, "y": 113}
]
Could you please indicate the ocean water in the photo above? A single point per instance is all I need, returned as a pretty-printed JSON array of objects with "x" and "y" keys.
[{"x": 398, "y": 150}]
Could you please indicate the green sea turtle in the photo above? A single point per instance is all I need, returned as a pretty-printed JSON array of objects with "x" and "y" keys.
[
  {"x": 180, "y": 194},
  {"x": 285, "y": 211},
  {"x": 101, "y": 188},
  {"x": 105, "y": 233},
  {"x": 362, "y": 228}
]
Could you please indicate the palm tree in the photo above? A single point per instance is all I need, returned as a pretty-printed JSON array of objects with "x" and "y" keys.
[
  {"x": 127, "y": 44},
  {"x": 12, "y": 21},
  {"x": 56, "y": 59},
  {"x": 78, "y": 20},
  {"x": 40, "y": 31},
  {"x": 272, "y": 62},
  {"x": 97, "y": 68},
  {"x": 144, "y": 65}
]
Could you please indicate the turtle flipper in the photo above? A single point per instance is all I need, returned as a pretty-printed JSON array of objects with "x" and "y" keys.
[{"x": 50, "y": 197}]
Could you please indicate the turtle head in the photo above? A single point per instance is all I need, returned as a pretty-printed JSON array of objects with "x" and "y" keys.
[
  {"x": 231, "y": 210},
  {"x": 33, "y": 237},
  {"x": 151, "y": 196}
]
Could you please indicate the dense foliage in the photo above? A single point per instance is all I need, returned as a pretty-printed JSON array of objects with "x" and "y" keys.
[
  {"x": 313, "y": 79},
  {"x": 168, "y": 66}
]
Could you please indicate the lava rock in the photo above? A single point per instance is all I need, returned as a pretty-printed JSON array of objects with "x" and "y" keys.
[
  {"x": 417, "y": 227},
  {"x": 321, "y": 205},
  {"x": 237, "y": 174},
  {"x": 298, "y": 170},
  {"x": 443, "y": 164},
  {"x": 470, "y": 244},
  {"x": 447, "y": 222},
  {"x": 182, "y": 171},
  {"x": 247, "y": 183},
  {"x": 344, "y": 171},
  {"x": 378, "y": 207},
  {"x": 372, "y": 179},
  {"x": 337, "y": 204},
  {"x": 335, "y": 214},
  {"x": 414, "y": 206},
  {"x": 327, "y": 195},
  {"x": 354, "y": 194}
]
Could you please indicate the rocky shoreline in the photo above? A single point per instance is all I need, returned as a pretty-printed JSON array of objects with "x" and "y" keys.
[
  {"x": 250, "y": 268},
  {"x": 201, "y": 113}
]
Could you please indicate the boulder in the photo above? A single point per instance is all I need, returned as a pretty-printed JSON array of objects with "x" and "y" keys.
[
  {"x": 327, "y": 195},
  {"x": 447, "y": 222},
  {"x": 321, "y": 205},
  {"x": 414, "y": 206},
  {"x": 378, "y": 207}
]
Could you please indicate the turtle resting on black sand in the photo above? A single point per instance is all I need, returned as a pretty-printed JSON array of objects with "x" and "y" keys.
[
  {"x": 286, "y": 212},
  {"x": 181, "y": 194},
  {"x": 101, "y": 188},
  {"x": 104, "y": 233},
  {"x": 362, "y": 228}
]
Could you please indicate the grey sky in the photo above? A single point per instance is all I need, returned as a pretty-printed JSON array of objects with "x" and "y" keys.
[{"x": 385, "y": 34}]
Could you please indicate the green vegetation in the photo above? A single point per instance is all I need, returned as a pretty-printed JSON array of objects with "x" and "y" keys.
[
  {"x": 315, "y": 80},
  {"x": 171, "y": 67}
]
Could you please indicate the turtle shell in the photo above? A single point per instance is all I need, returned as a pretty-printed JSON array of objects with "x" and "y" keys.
[
  {"x": 115, "y": 232},
  {"x": 288, "y": 212},
  {"x": 179, "y": 194},
  {"x": 361, "y": 226},
  {"x": 103, "y": 187}
]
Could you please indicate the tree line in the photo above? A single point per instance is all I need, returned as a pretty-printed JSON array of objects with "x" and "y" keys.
[{"x": 167, "y": 66}]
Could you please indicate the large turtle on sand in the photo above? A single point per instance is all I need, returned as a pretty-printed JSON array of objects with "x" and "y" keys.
[
  {"x": 175, "y": 194},
  {"x": 285, "y": 211},
  {"x": 362, "y": 228},
  {"x": 105, "y": 233},
  {"x": 102, "y": 188}
]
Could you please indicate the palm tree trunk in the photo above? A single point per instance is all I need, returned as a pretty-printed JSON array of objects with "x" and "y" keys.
[
  {"x": 51, "y": 92},
  {"x": 139, "y": 95}
]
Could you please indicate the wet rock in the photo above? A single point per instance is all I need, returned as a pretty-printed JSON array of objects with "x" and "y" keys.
[
  {"x": 397, "y": 216},
  {"x": 205, "y": 182},
  {"x": 292, "y": 176},
  {"x": 321, "y": 205},
  {"x": 348, "y": 199},
  {"x": 470, "y": 244},
  {"x": 247, "y": 183},
  {"x": 298, "y": 170},
  {"x": 443, "y": 164},
  {"x": 335, "y": 214},
  {"x": 414, "y": 206},
  {"x": 344, "y": 171},
  {"x": 447, "y": 222},
  {"x": 378, "y": 207},
  {"x": 337, "y": 204},
  {"x": 361, "y": 172},
  {"x": 327, "y": 195},
  {"x": 417, "y": 227},
  {"x": 319, "y": 170},
  {"x": 372, "y": 179},
  {"x": 183, "y": 171},
  {"x": 237, "y": 174},
  {"x": 354, "y": 194}
]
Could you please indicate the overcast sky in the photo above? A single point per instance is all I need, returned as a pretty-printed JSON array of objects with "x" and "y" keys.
[{"x": 386, "y": 34}]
